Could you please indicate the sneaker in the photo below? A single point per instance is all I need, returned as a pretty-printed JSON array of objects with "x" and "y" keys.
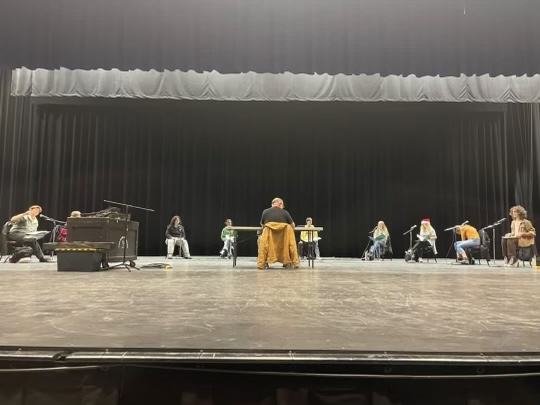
[
  {"x": 223, "y": 254},
  {"x": 44, "y": 260},
  {"x": 513, "y": 261},
  {"x": 505, "y": 260},
  {"x": 187, "y": 257},
  {"x": 420, "y": 260},
  {"x": 169, "y": 256}
]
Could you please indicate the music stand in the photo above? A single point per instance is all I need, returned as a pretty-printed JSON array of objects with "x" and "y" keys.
[{"x": 124, "y": 239}]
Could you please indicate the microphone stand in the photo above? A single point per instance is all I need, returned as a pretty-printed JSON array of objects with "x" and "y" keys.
[
  {"x": 492, "y": 227},
  {"x": 410, "y": 236},
  {"x": 124, "y": 239},
  {"x": 365, "y": 253},
  {"x": 454, "y": 237},
  {"x": 56, "y": 229}
]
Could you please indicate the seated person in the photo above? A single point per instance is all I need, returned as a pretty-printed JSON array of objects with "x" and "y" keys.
[
  {"x": 228, "y": 236},
  {"x": 176, "y": 235},
  {"x": 305, "y": 240},
  {"x": 426, "y": 238},
  {"x": 62, "y": 231},
  {"x": 469, "y": 239},
  {"x": 522, "y": 234},
  {"x": 380, "y": 237},
  {"x": 277, "y": 242},
  {"x": 22, "y": 225}
]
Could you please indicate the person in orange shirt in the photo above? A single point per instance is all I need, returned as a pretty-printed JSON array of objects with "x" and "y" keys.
[{"x": 469, "y": 239}]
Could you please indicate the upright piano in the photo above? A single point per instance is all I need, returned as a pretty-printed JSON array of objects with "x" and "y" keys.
[{"x": 88, "y": 229}]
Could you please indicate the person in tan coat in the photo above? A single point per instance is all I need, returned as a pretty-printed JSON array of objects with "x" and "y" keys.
[{"x": 277, "y": 242}]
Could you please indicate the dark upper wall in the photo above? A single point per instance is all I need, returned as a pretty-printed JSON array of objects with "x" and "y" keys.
[{"x": 422, "y": 37}]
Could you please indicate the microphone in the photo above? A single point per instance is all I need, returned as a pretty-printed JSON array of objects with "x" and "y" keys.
[
  {"x": 466, "y": 222},
  {"x": 500, "y": 221},
  {"x": 412, "y": 227},
  {"x": 45, "y": 217}
]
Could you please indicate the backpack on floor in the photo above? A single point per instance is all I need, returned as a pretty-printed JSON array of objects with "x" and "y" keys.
[{"x": 20, "y": 253}]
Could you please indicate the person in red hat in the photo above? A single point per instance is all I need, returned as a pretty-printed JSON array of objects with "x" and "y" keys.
[{"x": 426, "y": 237}]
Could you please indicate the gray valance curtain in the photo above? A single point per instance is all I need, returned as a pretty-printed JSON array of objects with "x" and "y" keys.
[{"x": 252, "y": 86}]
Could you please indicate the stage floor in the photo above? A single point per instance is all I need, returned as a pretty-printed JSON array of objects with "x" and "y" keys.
[{"x": 340, "y": 306}]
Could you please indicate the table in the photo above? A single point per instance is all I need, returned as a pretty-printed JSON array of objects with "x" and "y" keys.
[{"x": 308, "y": 229}]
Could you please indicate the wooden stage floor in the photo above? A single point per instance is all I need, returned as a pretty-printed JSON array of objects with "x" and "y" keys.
[{"x": 341, "y": 306}]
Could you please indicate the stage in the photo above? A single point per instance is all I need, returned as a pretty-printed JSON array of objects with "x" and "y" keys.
[{"x": 343, "y": 310}]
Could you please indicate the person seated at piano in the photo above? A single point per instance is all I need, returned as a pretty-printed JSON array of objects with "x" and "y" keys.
[
  {"x": 176, "y": 236},
  {"x": 23, "y": 224},
  {"x": 306, "y": 239},
  {"x": 522, "y": 235},
  {"x": 62, "y": 231},
  {"x": 470, "y": 238},
  {"x": 380, "y": 237},
  {"x": 228, "y": 236},
  {"x": 426, "y": 237}
]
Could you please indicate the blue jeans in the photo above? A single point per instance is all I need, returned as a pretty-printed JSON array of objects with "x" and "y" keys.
[
  {"x": 376, "y": 248},
  {"x": 466, "y": 244}
]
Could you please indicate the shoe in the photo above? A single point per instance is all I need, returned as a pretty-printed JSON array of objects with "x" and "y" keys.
[
  {"x": 223, "y": 254},
  {"x": 44, "y": 260},
  {"x": 169, "y": 256},
  {"x": 420, "y": 260},
  {"x": 12, "y": 260},
  {"x": 513, "y": 261},
  {"x": 187, "y": 257},
  {"x": 229, "y": 257},
  {"x": 505, "y": 260}
]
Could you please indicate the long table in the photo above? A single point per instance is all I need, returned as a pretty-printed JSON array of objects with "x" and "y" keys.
[{"x": 308, "y": 229}]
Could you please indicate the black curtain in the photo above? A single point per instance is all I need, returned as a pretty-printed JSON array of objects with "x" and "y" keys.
[
  {"x": 421, "y": 37},
  {"x": 348, "y": 165}
]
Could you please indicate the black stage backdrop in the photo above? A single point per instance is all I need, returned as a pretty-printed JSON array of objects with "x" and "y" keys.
[
  {"x": 421, "y": 37},
  {"x": 347, "y": 165}
]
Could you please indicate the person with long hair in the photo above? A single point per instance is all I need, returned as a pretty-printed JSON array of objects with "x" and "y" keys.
[
  {"x": 522, "y": 234},
  {"x": 380, "y": 238},
  {"x": 175, "y": 234},
  {"x": 426, "y": 238},
  {"x": 228, "y": 236}
]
